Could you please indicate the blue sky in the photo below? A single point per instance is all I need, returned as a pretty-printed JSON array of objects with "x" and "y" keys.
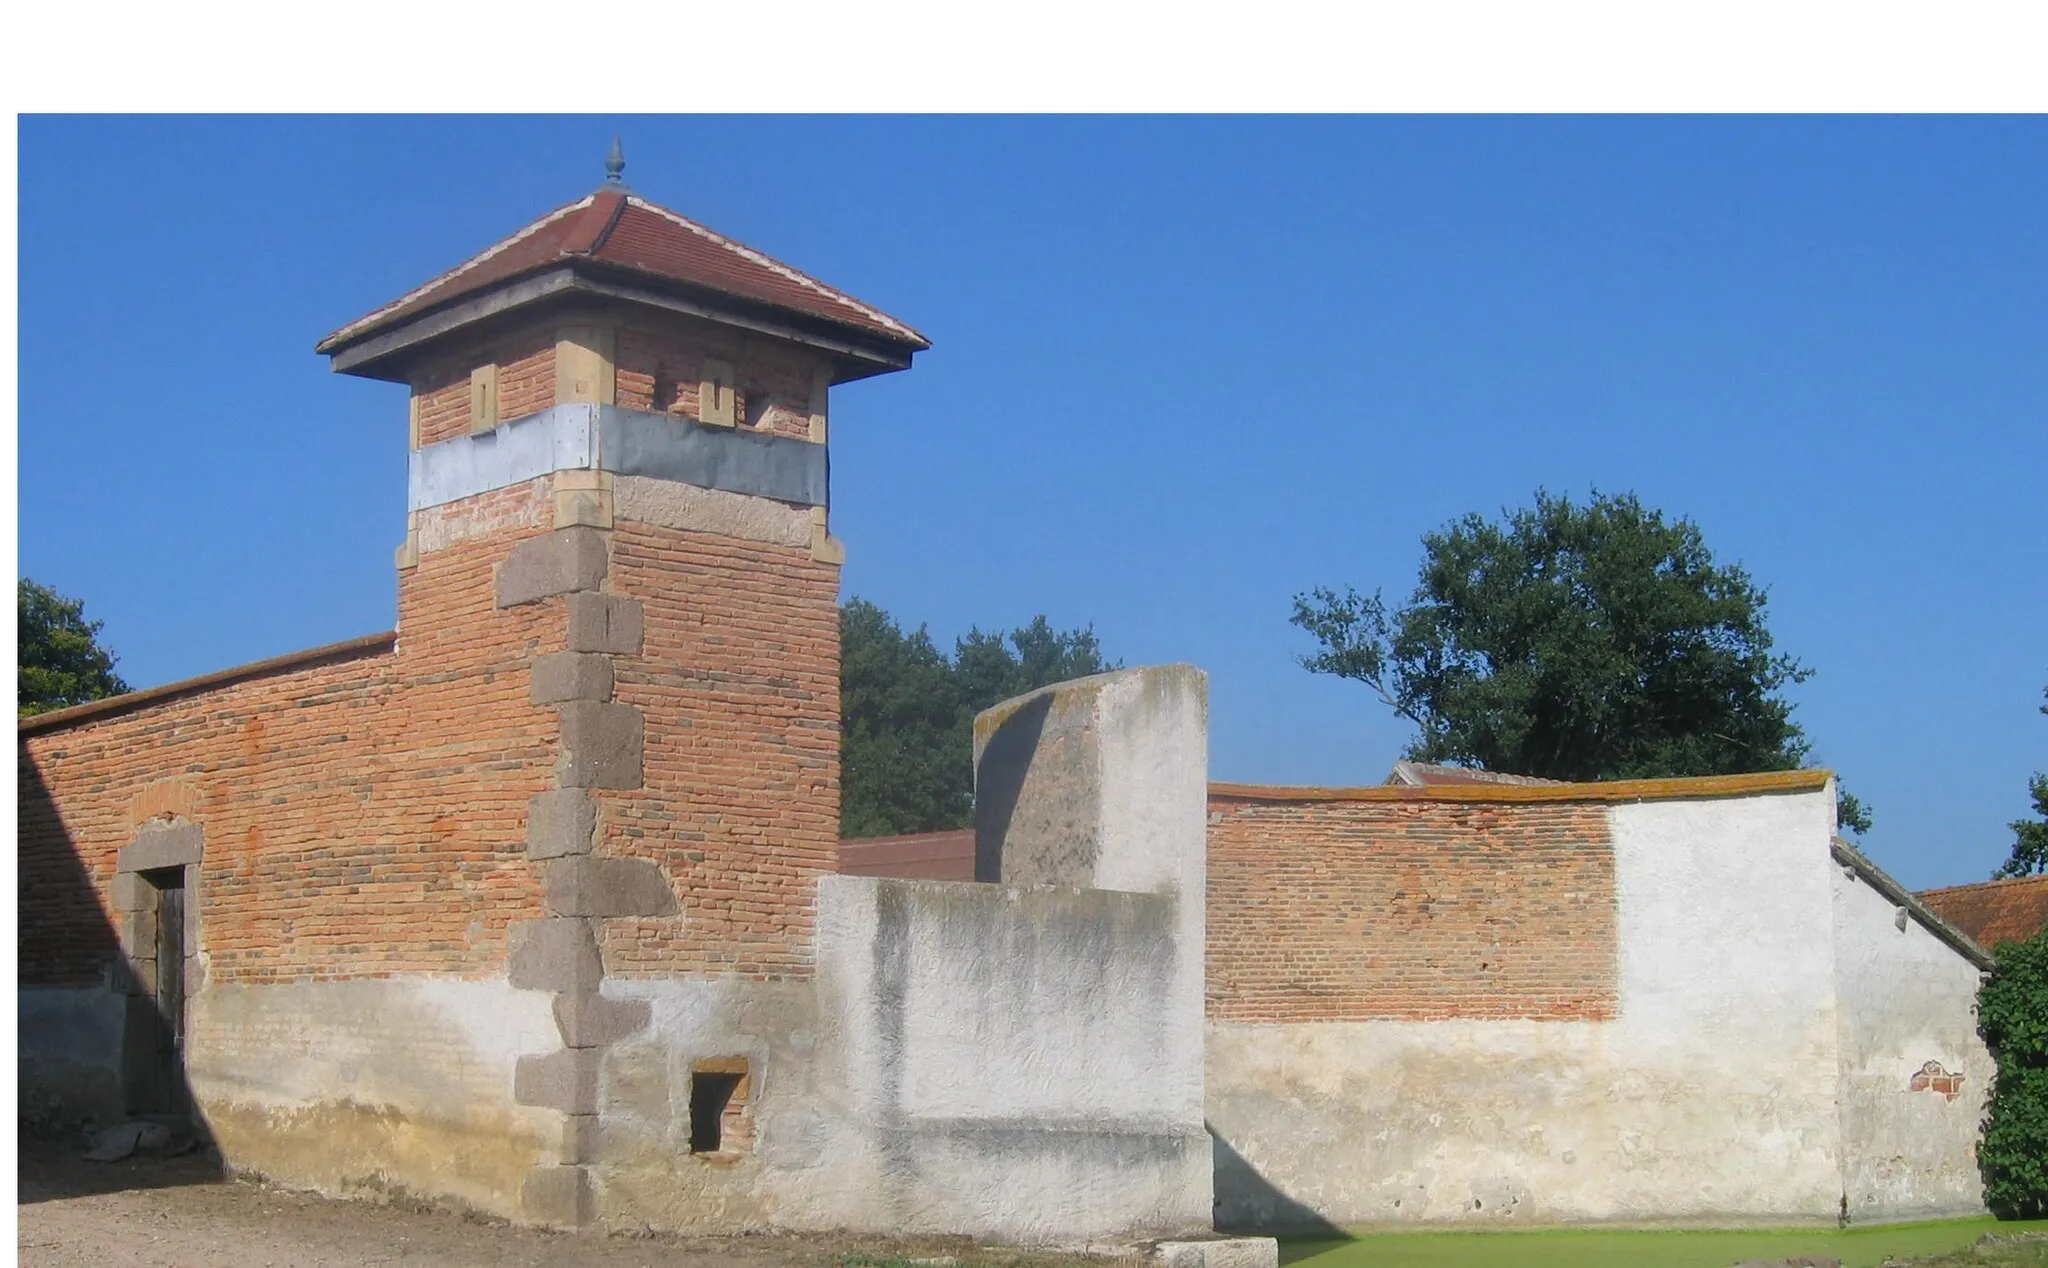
[{"x": 1183, "y": 369}]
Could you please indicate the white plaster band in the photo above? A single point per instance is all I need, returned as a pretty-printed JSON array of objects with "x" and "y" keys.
[{"x": 591, "y": 437}]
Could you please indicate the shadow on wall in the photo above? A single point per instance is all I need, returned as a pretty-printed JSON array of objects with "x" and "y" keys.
[
  {"x": 1246, "y": 1202},
  {"x": 997, "y": 789},
  {"x": 100, "y": 1032}
]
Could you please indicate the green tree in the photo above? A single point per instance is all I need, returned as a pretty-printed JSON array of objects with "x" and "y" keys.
[
  {"x": 60, "y": 662},
  {"x": 899, "y": 714},
  {"x": 1573, "y": 642},
  {"x": 990, "y": 671},
  {"x": 2012, "y": 1012},
  {"x": 907, "y": 712},
  {"x": 2030, "y": 836}
]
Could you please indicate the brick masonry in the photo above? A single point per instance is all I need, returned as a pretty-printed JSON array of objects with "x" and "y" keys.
[
  {"x": 362, "y": 818},
  {"x": 1339, "y": 910},
  {"x": 741, "y": 796},
  {"x": 661, "y": 368},
  {"x": 526, "y": 381},
  {"x": 598, "y": 748}
]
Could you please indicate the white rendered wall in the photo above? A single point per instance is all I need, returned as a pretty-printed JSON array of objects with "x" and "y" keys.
[
  {"x": 375, "y": 1087},
  {"x": 1020, "y": 1062},
  {"x": 1907, "y": 998},
  {"x": 1711, "y": 1096},
  {"x": 991, "y": 1060}
]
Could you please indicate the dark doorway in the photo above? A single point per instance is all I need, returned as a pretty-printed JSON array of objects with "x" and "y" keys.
[{"x": 167, "y": 1093}]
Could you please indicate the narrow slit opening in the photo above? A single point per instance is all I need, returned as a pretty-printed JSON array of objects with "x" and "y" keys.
[{"x": 711, "y": 1096}]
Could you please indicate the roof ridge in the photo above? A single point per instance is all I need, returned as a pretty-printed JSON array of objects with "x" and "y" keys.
[
  {"x": 769, "y": 262},
  {"x": 2037, "y": 878},
  {"x": 604, "y": 231},
  {"x": 449, "y": 275}
]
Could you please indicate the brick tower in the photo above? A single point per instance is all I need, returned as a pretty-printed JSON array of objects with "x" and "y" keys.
[
  {"x": 531, "y": 905},
  {"x": 618, "y": 557}
]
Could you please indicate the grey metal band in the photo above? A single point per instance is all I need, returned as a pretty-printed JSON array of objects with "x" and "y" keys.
[{"x": 584, "y": 437}]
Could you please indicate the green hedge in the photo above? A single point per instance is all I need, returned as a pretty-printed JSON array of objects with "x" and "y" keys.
[{"x": 2012, "y": 1009}]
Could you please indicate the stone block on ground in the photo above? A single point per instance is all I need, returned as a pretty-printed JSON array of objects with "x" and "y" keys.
[
  {"x": 1221, "y": 1252},
  {"x": 137, "y": 1136}
]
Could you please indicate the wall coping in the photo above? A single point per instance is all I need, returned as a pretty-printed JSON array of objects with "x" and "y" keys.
[
  {"x": 347, "y": 649},
  {"x": 1880, "y": 880},
  {"x": 1783, "y": 781}
]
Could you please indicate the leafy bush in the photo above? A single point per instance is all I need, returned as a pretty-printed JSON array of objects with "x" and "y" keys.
[{"x": 2012, "y": 1010}]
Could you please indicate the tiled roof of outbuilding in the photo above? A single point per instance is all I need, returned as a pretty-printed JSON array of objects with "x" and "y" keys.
[
  {"x": 1425, "y": 774},
  {"x": 1994, "y": 911},
  {"x": 938, "y": 856},
  {"x": 620, "y": 229}
]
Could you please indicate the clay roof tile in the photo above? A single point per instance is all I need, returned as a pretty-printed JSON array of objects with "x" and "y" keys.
[
  {"x": 625, "y": 232},
  {"x": 1994, "y": 911}
]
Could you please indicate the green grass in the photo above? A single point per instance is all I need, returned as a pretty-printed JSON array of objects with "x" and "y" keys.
[{"x": 1623, "y": 1248}]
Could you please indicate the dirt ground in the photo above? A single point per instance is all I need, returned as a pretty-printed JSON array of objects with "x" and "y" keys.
[{"x": 179, "y": 1213}]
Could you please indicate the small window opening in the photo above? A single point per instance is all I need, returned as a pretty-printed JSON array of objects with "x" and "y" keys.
[
  {"x": 718, "y": 1099},
  {"x": 755, "y": 407}
]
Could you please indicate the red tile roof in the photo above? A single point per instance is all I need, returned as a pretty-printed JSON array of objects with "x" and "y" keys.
[
  {"x": 1994, "y": 911},
  {"x": 621, "y": 230},
  {"x": 932, "y": 856},
  {"x": 1424, "y": 774}
]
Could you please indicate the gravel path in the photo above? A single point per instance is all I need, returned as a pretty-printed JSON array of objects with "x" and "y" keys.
[{"x": 179, "y": 1213}]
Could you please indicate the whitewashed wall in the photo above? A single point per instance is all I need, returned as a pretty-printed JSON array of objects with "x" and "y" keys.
[
  {"x": 1018, "y": 1061},
  {"x": 1712, "y": 1095},
  {"x": 1908, "y": 998},
  {"x": 375, "y": 1087}
]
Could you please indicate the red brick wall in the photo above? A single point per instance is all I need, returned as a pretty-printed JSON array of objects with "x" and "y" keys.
[
  {"x": 1347, "y": 910},
  {"x": 368, "y": 818},
  {"x": 739, "y": 686},
  {"x": 526, "y": 382},
  {"x": 362, "y": 818},
  {"x": 660, "y": 369}
]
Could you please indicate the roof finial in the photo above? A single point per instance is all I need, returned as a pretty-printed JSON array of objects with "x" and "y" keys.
[{"x": 615, "y": 164}]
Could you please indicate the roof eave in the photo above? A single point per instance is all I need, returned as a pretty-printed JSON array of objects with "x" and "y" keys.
[
  {"x": 385, "y": 351},
  {"x": 1881, "y": 881}
]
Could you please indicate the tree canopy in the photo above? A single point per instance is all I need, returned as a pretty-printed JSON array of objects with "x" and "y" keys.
[
  {"x": 2030, "y": 836},
  {"x": 907, "y": 712},
  {"x": 60, "y": 661},
  {"x": 1578, "y": 642}
]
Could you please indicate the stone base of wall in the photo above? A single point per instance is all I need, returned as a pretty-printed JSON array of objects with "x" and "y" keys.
[
  {"x": 375, "y": 1088},
  {"x": 1357, "y": 1124}
]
